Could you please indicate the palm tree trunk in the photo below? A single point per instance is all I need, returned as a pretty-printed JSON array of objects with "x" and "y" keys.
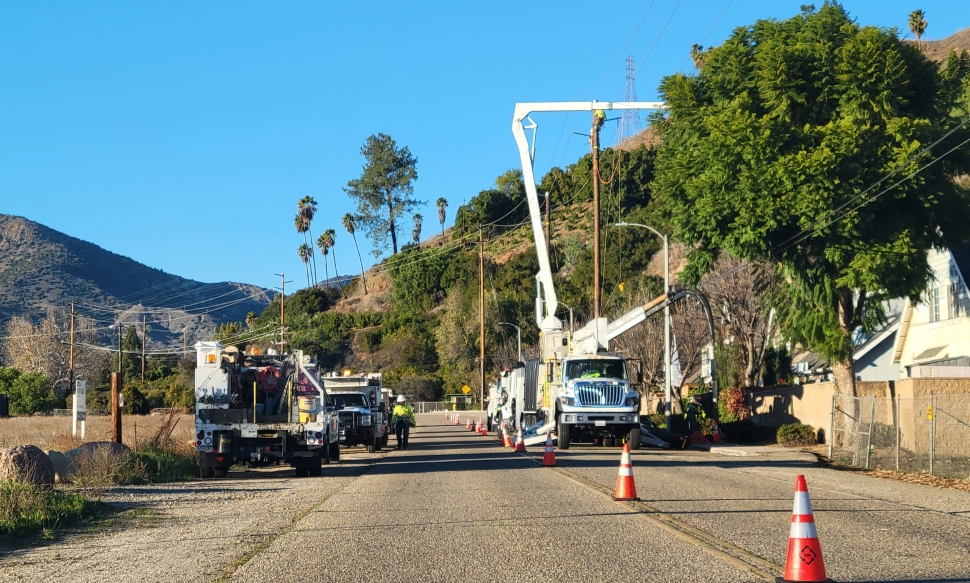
[
  {"x": 336, "y": 274},
  {"x": 362, "y": 280},
  {"x": 306, "y": 267},
  {"x": 326, "y": 269},
  {"x": 313, "y": 256}
]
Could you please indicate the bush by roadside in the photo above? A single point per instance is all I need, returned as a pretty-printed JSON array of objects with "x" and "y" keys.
[
  {"x": 26, "y": 509},
  {"x": 797, "y": 434}
]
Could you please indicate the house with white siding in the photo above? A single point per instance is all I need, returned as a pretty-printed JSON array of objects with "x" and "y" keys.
[{"x": 933, "y": 337}]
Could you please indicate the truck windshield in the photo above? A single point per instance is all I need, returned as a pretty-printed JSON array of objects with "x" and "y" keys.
[
  {"x": 594, "y": 369},
  {"x": 349, "y": 400}
]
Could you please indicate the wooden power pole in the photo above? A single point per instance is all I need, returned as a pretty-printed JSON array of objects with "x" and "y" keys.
[
  {"x": 144, "y": 341},
  {"x": 116, "y": 386},
  {"x": 70, "y": 358},
  {"x": 481, "y": 313},
  {"x": 598, "y": 118}
]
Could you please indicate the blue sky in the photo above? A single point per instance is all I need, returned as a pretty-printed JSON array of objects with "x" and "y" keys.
[{"x": 175, "y": 132}]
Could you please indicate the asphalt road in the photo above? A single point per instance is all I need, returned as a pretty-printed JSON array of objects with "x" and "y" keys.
[{"x": 456, "y": 506}]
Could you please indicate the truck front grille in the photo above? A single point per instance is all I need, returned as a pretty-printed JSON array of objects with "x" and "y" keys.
[
  {"x": 593, "y": 394},
  {"x": 346, "y": 419}
]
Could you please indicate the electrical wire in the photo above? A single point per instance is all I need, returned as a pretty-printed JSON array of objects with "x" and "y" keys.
[{"x": 713, "y": 26}]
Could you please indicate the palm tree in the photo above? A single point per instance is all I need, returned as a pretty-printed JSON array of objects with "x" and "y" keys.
[
  {"x": 917, "y": 25},
  {"x": 305, "y": 252},
  {"x": 251, "y": 320},
  {"x": 697, "y": 55},
  {"x": 416, "y": 233},
  {"x": 307, "y": 209},
  {"x": 331, "y": 237},
  {"x": 442, "y": 205},
  {"x": 351, "y": 227},
  {"x": 325, "y": 249}
]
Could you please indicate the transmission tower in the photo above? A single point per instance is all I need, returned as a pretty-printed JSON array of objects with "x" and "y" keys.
[{"x": 630, "y": 124}]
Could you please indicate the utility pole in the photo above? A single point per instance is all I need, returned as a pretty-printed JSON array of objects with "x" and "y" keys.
[
  {"x": 548, "y": 224},
  {"x": 116, "y": 386},
  {"x": 481, "y": 312},
  {"x": 70, "y": 358},
  {"x": 598, "y": 118},
  {"x": 144, "y": 341}
]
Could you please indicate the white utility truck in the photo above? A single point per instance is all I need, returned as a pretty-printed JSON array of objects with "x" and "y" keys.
[
  {"x": 361, "y": 409},
  {"x": 261, "y": 409}
]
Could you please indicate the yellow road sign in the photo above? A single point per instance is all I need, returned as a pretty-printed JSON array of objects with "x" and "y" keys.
[{"x": 466, "y": 389}]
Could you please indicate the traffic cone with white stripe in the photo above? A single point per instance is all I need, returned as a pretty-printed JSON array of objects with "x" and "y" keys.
[
  {"x": 519, "y": 443},
  {"x": 716, "y": 433},
  {"x": 468, "y": 425},
  {"x": 804, "y": 551},
  {"x": 549, "y": 459},
  {"x": 447, "y": 415},
  {"x": 625, "y": 489},
  {"x": 506, "y": 440},
  {"x": 484, "y": 429},
  {"x": 457, "y": 422}
]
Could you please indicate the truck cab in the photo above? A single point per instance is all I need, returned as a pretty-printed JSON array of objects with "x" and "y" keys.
[
  {"x": 361, "y": 409},
  {"x": 596, "y": 401}
]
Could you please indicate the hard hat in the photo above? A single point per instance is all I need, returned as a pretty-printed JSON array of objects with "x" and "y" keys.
[{"x": 400, "y": 398}]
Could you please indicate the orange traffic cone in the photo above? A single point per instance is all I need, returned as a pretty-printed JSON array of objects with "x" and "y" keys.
[
  {"x": 457, "y": 422},
  {"x": 625, "y": 489},
  {"x": 447, "y": 415},
  {"x": 468, "y": 424},
  {"x": 804, "y": 552},
  {"x": 549, "y": 459},
  {"x": 519, "y": 443},
  {"x": 506, "y": 440},
  {"x": 484, "y": 430},
  {"x": 716, "y": 432}
]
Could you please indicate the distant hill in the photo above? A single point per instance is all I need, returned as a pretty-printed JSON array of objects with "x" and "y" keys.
[
  {"x": 41, "y": 268},
  {"x": 938, "y": 50}
]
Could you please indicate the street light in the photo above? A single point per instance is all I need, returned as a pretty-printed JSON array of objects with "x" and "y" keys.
[
  {"x": 518, "y": 333},
  {"x": 668, "y": 388}
]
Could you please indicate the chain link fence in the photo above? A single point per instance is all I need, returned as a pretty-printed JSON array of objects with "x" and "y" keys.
[{"x": 928, "y": 434}]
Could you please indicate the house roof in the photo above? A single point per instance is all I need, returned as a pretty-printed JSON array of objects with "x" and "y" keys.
[
  {"x": 876, "y": 339},
  {"x": 961, "y": 256}
]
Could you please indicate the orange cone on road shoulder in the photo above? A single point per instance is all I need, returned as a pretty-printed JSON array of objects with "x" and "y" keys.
[
  {"x": 506, "y": 440},
  {"x": 716, "y": 433},
  {"x": 804, "y": 551},
  {"x": 468, "y": 425},
  {"x": 457, "y": 422},
  {"x": 549, "y": 459},
  {"x": 484, "y": 430},
  {"x": 625, "y": 489},
  {"x": 519, "y": 443}
]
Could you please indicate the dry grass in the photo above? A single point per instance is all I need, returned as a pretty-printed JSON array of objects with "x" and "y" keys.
[{"x": 55, "y": 432}]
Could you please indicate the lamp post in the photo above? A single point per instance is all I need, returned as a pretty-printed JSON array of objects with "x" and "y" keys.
[
  {"x": 668, "y": 388},
  {"x": 518, "y": 334}
]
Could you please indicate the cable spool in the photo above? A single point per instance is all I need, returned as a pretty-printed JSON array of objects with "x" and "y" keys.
[{"x": 269, "y": 379}]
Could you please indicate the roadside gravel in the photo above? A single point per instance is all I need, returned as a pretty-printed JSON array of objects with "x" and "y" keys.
[{"x": 193, "y": 531}]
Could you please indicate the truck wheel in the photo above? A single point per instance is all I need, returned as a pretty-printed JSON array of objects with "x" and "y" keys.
[
  {"x": 219, "y": 472},
  {"x": 634, "y": 438},
  {"x": 335, "y": 451},
  {"x": 562, "y": 435},
  {"x": 609, "y": 442},
  {"x": 315, "y": 471},
  {"x": 205, "y": 473},
  {"x": 377, "y": 443}
]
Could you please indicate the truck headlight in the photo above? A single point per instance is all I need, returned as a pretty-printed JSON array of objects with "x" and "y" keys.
[{"x": 366, "y": 420}]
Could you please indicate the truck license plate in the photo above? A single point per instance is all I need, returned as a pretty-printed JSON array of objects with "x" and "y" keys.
[
  {"x": 205, "y": 448},
  {"x": 600, "y": 423}
]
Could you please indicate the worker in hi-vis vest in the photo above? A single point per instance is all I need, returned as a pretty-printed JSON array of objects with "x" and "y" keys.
[{"x": 402, "y": 418}]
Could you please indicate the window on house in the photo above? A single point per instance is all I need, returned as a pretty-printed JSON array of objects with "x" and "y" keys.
[
  {"x": 934, "y": 302},
  {"x": 958, "y": 304}
]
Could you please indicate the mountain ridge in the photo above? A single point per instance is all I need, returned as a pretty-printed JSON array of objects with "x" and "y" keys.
[{"x": 43, "y": 269}]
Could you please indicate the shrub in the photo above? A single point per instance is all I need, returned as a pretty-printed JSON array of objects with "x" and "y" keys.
[
  {"x": 797, "y": 434},
  {"x": 735, "y": 403},
  {"x": 31, "y": 393},
  {"x": 26, "y": 508},
  {"x": 883, "y": 435}
]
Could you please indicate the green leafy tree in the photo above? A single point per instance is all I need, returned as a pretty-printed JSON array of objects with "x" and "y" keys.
[
  {"x": 771, "y": 153},
  {"x": 917, "y": 25},
  {"x": 350, "y": 223},
  {"x": 31, "y": 393},
  {"x": 384, "y": 192}
]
